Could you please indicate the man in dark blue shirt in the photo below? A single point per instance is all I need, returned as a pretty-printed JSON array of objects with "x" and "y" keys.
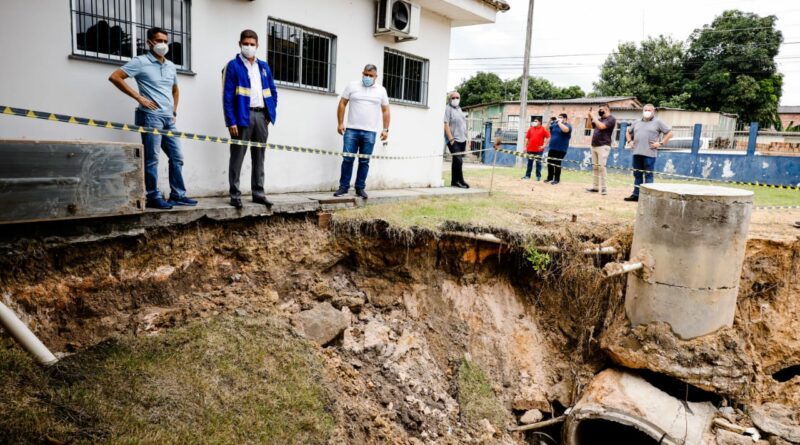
[{"x": 560, "y": 132}]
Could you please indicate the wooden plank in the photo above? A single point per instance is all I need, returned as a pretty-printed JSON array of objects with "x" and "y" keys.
[{"x": 51, "y": 180}]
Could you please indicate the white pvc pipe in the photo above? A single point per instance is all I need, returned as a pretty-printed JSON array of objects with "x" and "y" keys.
[
  {"x": 614, "y": 269},
  {"x": 25, "y": 337}
]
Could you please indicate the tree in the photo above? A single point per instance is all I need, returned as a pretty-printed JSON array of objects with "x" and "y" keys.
[
  {"x": 651, "y": 71},
  {"x": 488, "y": 87},
  {"x": 730, "y": 67},
  {"x": 481, "y": 88}
]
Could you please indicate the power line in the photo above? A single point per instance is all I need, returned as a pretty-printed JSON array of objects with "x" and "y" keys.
[{"x": 588, "y": 54}]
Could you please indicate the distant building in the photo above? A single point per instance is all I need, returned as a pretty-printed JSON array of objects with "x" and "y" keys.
[
  {"x": 505, "y": 116},
  {"x": 790, "y": 116}
]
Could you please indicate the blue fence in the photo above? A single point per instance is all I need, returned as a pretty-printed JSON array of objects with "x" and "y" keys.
[{"x": 743, "y": 167}]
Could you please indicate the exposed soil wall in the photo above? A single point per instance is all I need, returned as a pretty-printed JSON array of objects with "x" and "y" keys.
[{"x": 443, "y": 329}]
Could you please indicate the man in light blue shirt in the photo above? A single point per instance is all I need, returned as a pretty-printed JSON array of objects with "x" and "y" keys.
[{"x": 158, "y": 95}]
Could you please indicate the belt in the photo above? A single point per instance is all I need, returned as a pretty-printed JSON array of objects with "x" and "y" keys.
[{"x": 257, "y": 109}]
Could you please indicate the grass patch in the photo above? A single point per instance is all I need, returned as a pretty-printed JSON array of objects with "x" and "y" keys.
[
  {"x": 476, "y": 396},
  {"x": 224, "y": 381},
  {"x": 431, "y": 213}
]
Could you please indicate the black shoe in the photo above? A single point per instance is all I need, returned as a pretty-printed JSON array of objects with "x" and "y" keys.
[
  {"x": 361, "y": 193},
  {"x": 632, "y": 198},
  {"x": 548, "y": 181},
  {"x": 554, "y": 182},
  {"x": 262, "y": 200},
  {"x": 465, "y": 184},
  {"x": 237, "y": 202},
  {"x": 340, "y": 192},
  {"x": 185, "y": 201},
  {"x": 538, "y": 178},
  {"x": 158, "y": 203},
  {"x": 460, "y": 185},
  {"x": 592, "y": 190}
]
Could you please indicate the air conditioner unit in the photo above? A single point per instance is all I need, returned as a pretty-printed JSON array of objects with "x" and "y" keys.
[{"x": 398, "y": 18}]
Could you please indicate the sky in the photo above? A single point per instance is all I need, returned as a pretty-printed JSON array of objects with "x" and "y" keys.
[{"x": 586, "y": 31}]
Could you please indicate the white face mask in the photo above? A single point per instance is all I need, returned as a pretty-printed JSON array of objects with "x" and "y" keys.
[
  {"x": 161, "y": 49},
  {"x": 647, "y": 114},
  {"x": 535, "y": 123},
  {"x": 455, "y": 102},
  {"x": 248, "y": 51}
]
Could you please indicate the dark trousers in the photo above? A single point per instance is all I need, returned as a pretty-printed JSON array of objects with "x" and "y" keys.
[
  {"x": 538, "y": 165},
  {"x": 640, "y": 163},
  {"x": 257, "y": 131},
  {"x": 457, "y": 167},
  {"x": 554, "y": 159}
]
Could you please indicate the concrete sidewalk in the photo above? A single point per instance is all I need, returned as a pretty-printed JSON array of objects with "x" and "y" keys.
[{"x": 217, "y": 209}]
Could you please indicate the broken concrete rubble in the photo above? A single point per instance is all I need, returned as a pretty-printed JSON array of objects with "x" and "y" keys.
[
  {"x": 623, "y": 405},
  {"x": 323, "y": 323},
  {"x": 531, "y": 416},
  {"x": 778, "y": 420}
]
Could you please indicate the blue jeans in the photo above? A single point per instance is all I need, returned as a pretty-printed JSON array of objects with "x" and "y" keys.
[
  {"x": 538, "y": 165},
  {"x": 172, "y": 149},
  {"x": 641, "y": 162},
  {"x": 356, "y": 141}
]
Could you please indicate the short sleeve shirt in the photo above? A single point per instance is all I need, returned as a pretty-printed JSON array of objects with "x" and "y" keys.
[
  {"x": 559, "y": 141},
  {"x": 454, "y": 117},
  {"x": 155, "y": 81},
  {"x": 603, "y": 137},
  {"x": 365, "y": 106},
  {"x": 645, "y": 132},
  {"x": 536, "y": 137}
]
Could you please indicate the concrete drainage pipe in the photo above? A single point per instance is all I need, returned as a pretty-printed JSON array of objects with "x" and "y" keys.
[{"x": 619, "y": 407}]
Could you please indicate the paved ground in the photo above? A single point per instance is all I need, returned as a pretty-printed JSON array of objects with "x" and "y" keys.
[{"x": 219, "y": 209}]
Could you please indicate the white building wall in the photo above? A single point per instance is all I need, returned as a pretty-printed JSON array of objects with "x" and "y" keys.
[{"x": 35, "y": 41}]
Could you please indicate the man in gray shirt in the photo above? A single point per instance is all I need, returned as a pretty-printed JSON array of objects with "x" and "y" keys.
[
  {"x": 647, "y": 135},
  {"x": 455, "y": 130}
]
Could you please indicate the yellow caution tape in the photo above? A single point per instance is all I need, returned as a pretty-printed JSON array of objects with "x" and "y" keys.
[{"x": 33, "y": 114}]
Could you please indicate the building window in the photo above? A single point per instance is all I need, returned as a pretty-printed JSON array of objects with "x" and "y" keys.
[
  {"x": 301, "y": 57},
  {"x": 513, "y": 122},
  {"x": 405, "y": 77},
  {"x": 116, "y": 30}
]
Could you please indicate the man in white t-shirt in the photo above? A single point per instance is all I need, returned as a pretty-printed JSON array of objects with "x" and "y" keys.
[{"x": 368, "y": 104}]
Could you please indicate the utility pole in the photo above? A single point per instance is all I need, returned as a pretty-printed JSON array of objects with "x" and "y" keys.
[{"x": 523, "y": 92}]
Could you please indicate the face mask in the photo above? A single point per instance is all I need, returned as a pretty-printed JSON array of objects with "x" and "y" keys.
[
  {"x": 367, "y": 81},
  {"x": 601, "y": 113},
  {"x": 160, "y": 49},
  {"x": 647, "y": 114},
  {"x": 535, "y": 124},
  {"x": 455, "y": 102},
  {"x": 248, "y": 51},
  {"x": 559, "y": 120}
]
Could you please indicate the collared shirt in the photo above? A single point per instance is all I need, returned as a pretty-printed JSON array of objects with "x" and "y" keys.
[
  {"x": 454, "y": 117},
  {"x": 365, "y": 105},
  {"x": 645, "y": 133},
  {"x": 155, "y": 81},
  {"x": 536, "y": 137},
  {"x": 253, "y": 72}
]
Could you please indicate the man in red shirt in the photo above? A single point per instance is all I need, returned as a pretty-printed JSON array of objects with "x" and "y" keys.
[{"x": 536, "y": 139}]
